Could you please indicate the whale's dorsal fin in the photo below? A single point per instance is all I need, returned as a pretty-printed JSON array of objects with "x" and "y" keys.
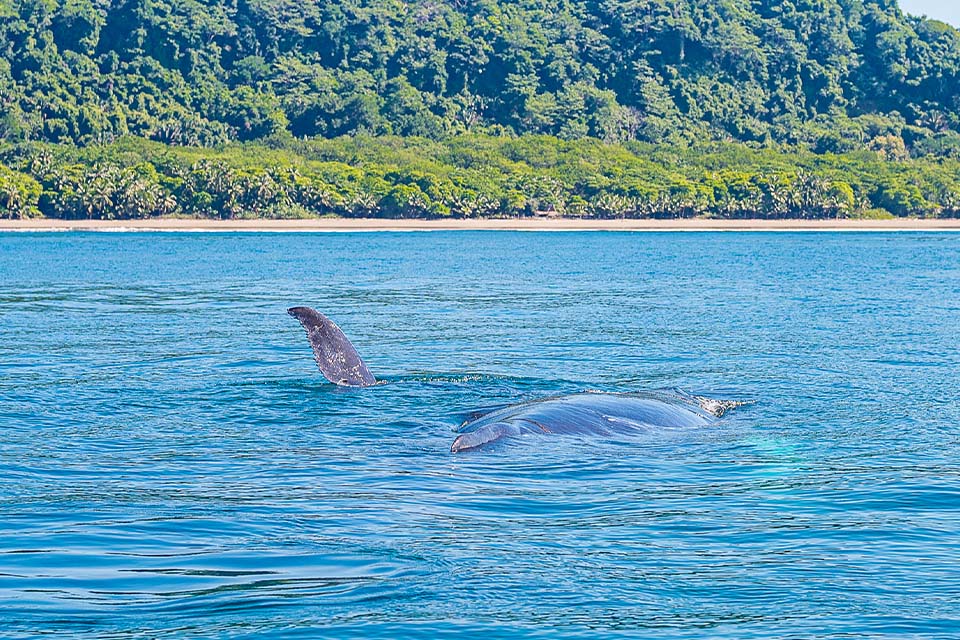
[{"x": 339, "y": 362}]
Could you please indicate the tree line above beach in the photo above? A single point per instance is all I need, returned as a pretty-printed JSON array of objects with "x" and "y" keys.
[
  {"x": 470, "y": 175},
  {"x": 476, "y": 107}
]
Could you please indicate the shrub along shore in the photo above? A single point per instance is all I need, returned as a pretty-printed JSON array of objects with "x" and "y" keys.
[{"x": 467, "y": 176}]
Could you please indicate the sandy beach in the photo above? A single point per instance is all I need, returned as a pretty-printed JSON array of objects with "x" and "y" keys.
[{"x": 515, "y": 224}]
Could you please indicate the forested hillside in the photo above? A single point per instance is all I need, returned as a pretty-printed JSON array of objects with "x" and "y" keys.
[
  {"x": 833, "y": 74},
  {"x": 476, "y": 107}
]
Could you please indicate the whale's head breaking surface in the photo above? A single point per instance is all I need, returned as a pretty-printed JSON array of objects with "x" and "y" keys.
[{"x": 339, "y": 362}]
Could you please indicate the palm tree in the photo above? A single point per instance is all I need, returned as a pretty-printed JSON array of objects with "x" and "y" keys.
[
  {"x": 12, "y": 200},
  {"x": 166, "y": 203}
]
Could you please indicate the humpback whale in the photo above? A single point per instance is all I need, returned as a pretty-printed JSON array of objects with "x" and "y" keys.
[{"x": 593, "y": 413}]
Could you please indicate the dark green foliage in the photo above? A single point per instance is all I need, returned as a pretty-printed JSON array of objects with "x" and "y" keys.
[
  {"x": 469, "y": 175},
  {"x": 830, "y": 75}
]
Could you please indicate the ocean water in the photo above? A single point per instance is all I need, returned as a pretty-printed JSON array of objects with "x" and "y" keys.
[{"x": 172, "y": 464}]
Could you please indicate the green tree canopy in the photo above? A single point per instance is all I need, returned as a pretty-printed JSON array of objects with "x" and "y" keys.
[{"x": 831, "y": 75}]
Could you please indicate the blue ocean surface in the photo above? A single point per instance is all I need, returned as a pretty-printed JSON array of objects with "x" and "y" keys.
[{"x": 173, "y": 465}]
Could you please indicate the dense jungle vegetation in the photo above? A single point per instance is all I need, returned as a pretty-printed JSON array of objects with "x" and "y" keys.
[{"x": 226, "y": 108}]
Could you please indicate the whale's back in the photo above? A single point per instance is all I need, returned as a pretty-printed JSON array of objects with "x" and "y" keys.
[{"x": 585, "y": 414}]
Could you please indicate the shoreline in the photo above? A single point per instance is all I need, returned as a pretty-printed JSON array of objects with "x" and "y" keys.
[{"x": 488, "y": 224}]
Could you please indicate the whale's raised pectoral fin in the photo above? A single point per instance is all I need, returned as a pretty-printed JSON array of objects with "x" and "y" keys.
[{"x": 338, "y": 360}]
